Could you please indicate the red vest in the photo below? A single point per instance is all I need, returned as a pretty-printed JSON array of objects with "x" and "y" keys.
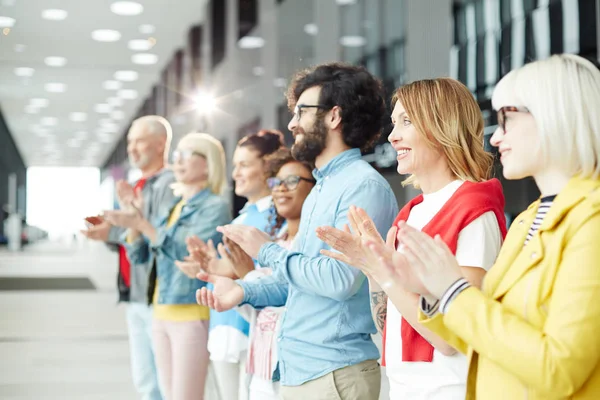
[
  {"x": 124, "y": 266},
  {"x": 468, "y": 203}
]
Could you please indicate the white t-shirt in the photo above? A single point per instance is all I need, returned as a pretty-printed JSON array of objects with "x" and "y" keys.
[{"x": 445, "y": 377}]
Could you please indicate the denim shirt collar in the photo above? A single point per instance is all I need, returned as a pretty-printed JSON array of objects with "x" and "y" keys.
[
  {"x": 192, "y": 202},
  {"x": 338, "y": 163}
]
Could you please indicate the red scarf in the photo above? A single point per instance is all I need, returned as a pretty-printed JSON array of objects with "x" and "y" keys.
[
  {"x": 124, "y": 266},
  {"x": 469, "y": 202}
]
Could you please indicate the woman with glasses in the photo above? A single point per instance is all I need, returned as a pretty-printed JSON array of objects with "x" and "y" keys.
[
  {"x": 180, "y": 325},
  {"x": 438, "y": 137},
  {"x": 228, "y": 338},
  {"x": 532, "y": 330}
]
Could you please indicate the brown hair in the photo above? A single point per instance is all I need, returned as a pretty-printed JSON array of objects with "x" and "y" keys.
[
  {"x": 265, "y": 141},
  {"x": 444, "y": 111}
]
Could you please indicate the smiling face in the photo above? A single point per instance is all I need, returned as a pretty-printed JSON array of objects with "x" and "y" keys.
[
  {"x": 289, "y": 202},
  {"x": 308, "y": 129},
  {"x": 248, "y": 173},
  {"x": 414, "y": 154},
  {"x": 143, "y": 147},
  {"x": 189, "y": 165}
]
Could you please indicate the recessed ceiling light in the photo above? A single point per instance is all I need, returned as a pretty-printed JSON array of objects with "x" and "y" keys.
[
  {"x": 280, "y": 82},
  {"x": 126, "y": 8},
  {"x": 78, "y": 116},
  {"x": 140, "y": 45},
  {"x": 353, "y": 41},
  {"x": 105, "y": 137},
  {"x": 117, "y": 114},
  {"x": 55, "y": 87},
  {"x": 7, "y": 22},
  {"x": 106, "y": 35},
  {"x": 38, "y": 102},
  {"x": 251, "y": 42},
  {"x": 102, "y": 108},
  {"x": 128, "y": 94},
  {"x": 115, "y": 101},
  {"x": 24, "y": 71},
  {"x": 55, "y": 61},
  {"x": 30, "y": 109},
  {"x": 49, "y": 121},
  {"x": 311, "y": 29},
  {"x": 112, "y": 85},
  {"x": 126, "y": 76},
  {"x": 19, "y": 48},
  {"x": 345, "y": 2},
  {"x": 147, "y": 29},
  {"x": 54, "y": 14},
  {"x": 144, "y": 59},
  {"x": 258, "y": 71}
]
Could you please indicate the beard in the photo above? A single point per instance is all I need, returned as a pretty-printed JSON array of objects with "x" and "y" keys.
[{"x": 312, "y": 144}]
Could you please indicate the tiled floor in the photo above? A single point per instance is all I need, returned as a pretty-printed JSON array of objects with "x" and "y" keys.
[{"x": 65, "y": 345}]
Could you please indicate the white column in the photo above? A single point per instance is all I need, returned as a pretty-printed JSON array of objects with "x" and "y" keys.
[{"x": 327, "y": 19}]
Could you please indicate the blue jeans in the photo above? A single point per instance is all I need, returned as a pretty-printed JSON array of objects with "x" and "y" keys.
[{"x": 143, "y": 369}]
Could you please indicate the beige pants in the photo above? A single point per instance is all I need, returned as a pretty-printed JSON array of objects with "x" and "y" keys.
[{"x": 355, "y": 382}]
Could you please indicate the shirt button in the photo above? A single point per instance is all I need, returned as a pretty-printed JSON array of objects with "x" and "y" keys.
[
  {"x": 533, "y": 255},
  {"x": 521, "y": 222},
  {"x": 319, "y": 187}
]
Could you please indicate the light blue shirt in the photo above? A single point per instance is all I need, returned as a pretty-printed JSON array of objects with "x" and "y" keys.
[{"x": 327, "y": 324}]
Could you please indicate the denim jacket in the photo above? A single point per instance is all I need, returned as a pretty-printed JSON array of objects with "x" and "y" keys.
[
  {"x": 200, "y": 216},
  {"x": 327, "y": 324}
]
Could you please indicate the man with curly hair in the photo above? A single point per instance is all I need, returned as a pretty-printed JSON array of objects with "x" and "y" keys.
[{"x": 325, "y": 349}]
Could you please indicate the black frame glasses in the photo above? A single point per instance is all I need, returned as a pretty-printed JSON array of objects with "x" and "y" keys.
[
  {"x": 290, "y": 182},
  {"x": 299, "y": 107},
  {"x": 502, "y": 114}
]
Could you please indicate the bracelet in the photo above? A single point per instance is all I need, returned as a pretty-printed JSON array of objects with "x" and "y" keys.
[{"x": 450, "y": 293}]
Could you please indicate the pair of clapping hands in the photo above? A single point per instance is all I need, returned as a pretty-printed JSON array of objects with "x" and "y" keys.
[{"x": 424, "y": 265}]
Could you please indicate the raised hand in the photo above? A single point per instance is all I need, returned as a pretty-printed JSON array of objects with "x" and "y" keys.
[
  {"x": 239, "y": 260},
  {"x": 248, "y": 238},
  {"x": 225, "y": 294},
  {"x": 189, "y": 267},
  {"x": 207, "y": 258}
]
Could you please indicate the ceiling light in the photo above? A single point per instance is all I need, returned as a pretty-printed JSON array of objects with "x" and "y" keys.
[
  {"x": 102, "y": 108},
  {"x": 311, "y": 29},
  {"x": 54, "y": 14},
  {"x": 6, "y": 31},
  {"x": 55, "y": 61},
  {"x": 144, "y": 59},
  {"x": 258, "y": 71},
  {"x": 140, "y": 45},
  {"x": 251, "y": 42},
  {"x": 37, "y": 102},
  {"x": 117, "y": 115},
  {"x": 73, "y": 143},
  {"x": 114, "y": 101},
  {"x": 353, "y": 41},
  {"x": 78, "y": 116},
  {"x": 280, "y": 82},
  {"x": 112, "y": 85},
  {"x": 30, "y": 109},
  {"x": 24, "y": 71},
  {"x": 105, "y": 138},
  {"x": 204, "y": 102},
  {"x": 49, "y": 121},
  {"x": 128, "y": 94},
  {"x": 126, "y": 8},
  {"x": 55, "y": 87},
  {"x": 345, "y": 2},
  {"x": 126, "y": 76},
  {"x": 147, "y": 29},
  {"x": 106, "y": 35},
  {"x": 19, "y": 48},
  {"x": 7, "y": 22},
  {"x": 81, "y": 135}
]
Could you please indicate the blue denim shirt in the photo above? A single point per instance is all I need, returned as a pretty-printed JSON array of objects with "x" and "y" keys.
[
  {"x": 327, "y": 324},
  {"x": 200, "y": 216}
]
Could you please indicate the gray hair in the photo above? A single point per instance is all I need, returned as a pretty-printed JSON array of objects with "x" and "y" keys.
[{"x": 156, "y": 125}]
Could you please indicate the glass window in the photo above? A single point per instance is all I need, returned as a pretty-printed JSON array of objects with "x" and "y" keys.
[
  {"x": 218, "y": 30},
  {"x": 352, "y": 37}
]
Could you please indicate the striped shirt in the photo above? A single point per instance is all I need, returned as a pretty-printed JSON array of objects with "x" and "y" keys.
[{"x": 539, "y": 217}]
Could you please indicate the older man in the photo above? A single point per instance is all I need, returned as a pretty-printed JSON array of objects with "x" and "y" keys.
[{"x": 148, "y": 144}]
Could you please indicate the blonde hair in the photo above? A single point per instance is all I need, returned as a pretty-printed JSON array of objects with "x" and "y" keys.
[
  {"x": 444, "y": 111},
  {"x": 562, "y": 93},
  {"x": 212, "y": 150},
  {"x": 156, "y": 125}
]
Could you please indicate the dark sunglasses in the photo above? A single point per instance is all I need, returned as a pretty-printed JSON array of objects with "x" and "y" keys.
[
  {"x": 290, "y": 183},
  {"x": 502, "y": 115}
]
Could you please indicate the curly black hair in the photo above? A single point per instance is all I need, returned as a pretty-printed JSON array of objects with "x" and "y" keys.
[
  {"x": 273, "y": 163},
  {"x": 352, "y": 88}
]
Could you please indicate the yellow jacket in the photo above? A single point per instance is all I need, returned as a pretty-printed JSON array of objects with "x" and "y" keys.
[{"x": 533, "y": 331}]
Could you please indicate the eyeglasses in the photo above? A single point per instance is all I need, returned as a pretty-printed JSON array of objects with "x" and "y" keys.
[
  {"x": 502, "y": 115},
  {"x": 299, "y": 107},
  {"x": 184, "y": 155},
  {"x": 290, "y": 183}
]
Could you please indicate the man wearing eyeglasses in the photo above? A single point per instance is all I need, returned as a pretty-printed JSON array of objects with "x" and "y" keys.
[
  {"x": 148, "y": 143},
  {"x": 325, "y": 347}
]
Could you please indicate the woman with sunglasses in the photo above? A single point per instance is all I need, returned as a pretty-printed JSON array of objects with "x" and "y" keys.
[
  {"x": 180, "y": 326},
  {"x": 532, "y": 330},
  {"x": 438, "y": 135}
]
